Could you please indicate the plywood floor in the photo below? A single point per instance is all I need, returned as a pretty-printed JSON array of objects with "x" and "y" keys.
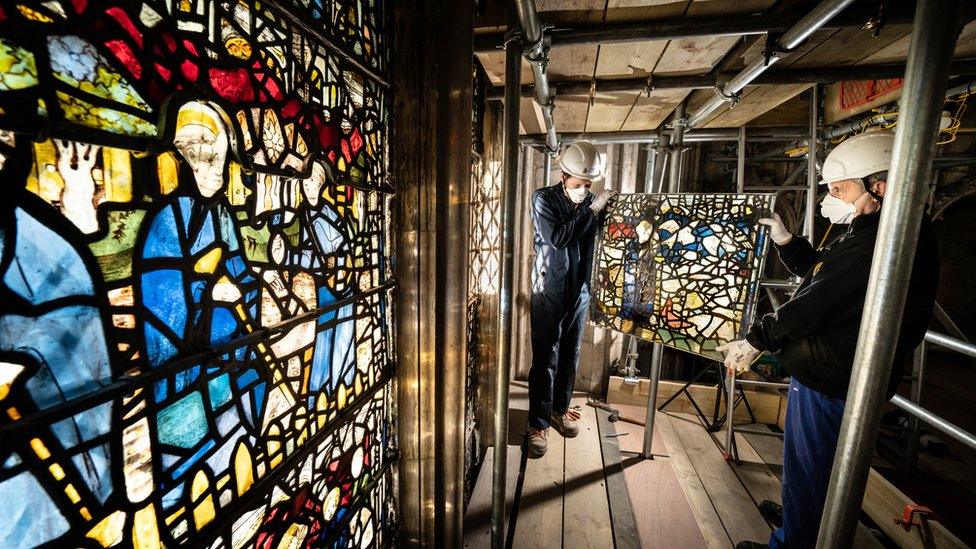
[{"x": 688, "y": 496}]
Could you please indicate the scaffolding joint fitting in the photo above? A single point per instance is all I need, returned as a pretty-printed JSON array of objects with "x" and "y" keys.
[
  {"x": 731, "y": 98},
  {"x": 907, "y": 520}
]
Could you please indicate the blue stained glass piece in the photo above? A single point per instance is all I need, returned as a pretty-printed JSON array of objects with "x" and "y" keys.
[
  {"x": 343, "y": 355},
  {"x": 161, "y": 240},
  {"x": 235, "y": 266},
  {"x": 186, "y": 206},
  {"x": 68, "y": 343},
  {"x": 158, "y": 347},
  {"x": 45, "y": 265},
  {"x": 162, "y": 294},
  {"x": 259, "y": 397},
  {"x": 197, "y": 288},
  {"x": 205, "y": 237},
  {"x": 93, "y": 466},
  {"x": 321, "y": 360},
  {"x": 219, "y": 389},
  {"x": 13, "y": 460},
  {"x": 228, "y": 421},
  {"x": 227, "y": 231},
  {"x": 172, "y": 497},
  {"x": 223, "y": 325},
  {"x": 192, "y": 460},
  {"x": 246, "y": 378},
  {"x": 185, "y": 378},
  {"x": 159, "y": 390},
  {"x": 28, "y": 522},
  {"x": 183, "y": 423}
]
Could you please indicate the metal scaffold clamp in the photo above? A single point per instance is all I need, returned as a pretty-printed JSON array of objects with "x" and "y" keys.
[
  {"x": 731, "y": 98},
  {"x": 648, "y": 86}
]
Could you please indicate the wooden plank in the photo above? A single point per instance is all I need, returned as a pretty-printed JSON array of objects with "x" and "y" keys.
[
  {"x": 764, "y": 405},
  {"x": 540, "y": 513},
  {"x": 477, "y": 517},
  {"x": 632, "y": 59},
  {"x": 694, "y": 55},
  {"x": 625, "y": 534},
  {"x": 631, "y": 437},
  {"x": 570, "y": 113},
  {"x": 770, "y": 449},
  {"x": 884, "y": 503},
  {"x": 759, "y": 480},
  {"x": 735, "y": 508},
  {"x": 586, "y": 511},
  {"x": 664, "y": 516},
  {"x": 652, "y": 110},
  {"x": 709, "y": 523}
]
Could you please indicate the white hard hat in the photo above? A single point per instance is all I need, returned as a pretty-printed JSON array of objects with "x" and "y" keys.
[
  {"x": 859, "y": 157},
  {"x": 582, "y": 160}
]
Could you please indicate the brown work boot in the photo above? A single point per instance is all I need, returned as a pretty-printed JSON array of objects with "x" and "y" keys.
[
  {"x": 538, "y": 442},
  {"x": 567, "y": 424}
]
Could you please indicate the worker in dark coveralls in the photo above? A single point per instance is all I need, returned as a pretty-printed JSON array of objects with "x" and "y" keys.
[
  {"x": 815, "y": 334},
  {"x": 566, "y": 218}
]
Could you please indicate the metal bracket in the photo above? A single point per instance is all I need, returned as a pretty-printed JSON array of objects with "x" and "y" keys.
[
  {"x": 732, "y": 98},
  {"x": 649, "y": 85},
  {"x": 592, "y": 92},
  {"x": 907, "y": 519},
  {"x": 876, "y": 22}
]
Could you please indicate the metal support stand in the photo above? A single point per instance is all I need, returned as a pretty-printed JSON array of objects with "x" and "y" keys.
[
  {"x": 513, "y": 74},
  {"x": 914, "y": 425},
  {"x": 932, "y": 42},
  {"x": 812, "y": 183}
]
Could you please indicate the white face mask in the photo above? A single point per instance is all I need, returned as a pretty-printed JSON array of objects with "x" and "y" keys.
[
  {"x": 836, "y": 210},
  {"x": 577, "y": 195}
]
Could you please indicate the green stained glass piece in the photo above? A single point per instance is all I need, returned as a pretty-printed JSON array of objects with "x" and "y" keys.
[
  {"x": 114, "y": 252},
  {"x": 183, "y": 423}
]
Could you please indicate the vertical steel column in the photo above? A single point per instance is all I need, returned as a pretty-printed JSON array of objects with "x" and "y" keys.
[
  {"x": 657, "y": 352},
  {"x": 812, "y": 182},
  {"x": 740, "y": 166},
  {"x": 914, "y": 425},
  {"x": 650, "y": 168},
  {"x": 547, "y": 177},
  {"x": 933, "y": 38},
  {"x": 513, "y": 75},
  {"x": 661, "y": 161},
  {"x": 677, "y": 143}
]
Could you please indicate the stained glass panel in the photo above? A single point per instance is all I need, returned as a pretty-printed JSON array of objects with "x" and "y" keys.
[
  {"x": 681, "y": 269},
  {"x": 194, "y": 340}
]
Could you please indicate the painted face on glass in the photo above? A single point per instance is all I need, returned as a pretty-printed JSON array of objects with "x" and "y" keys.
[
  {"x": 312, "y": 185},
  {"x": 201, "y": 138}
]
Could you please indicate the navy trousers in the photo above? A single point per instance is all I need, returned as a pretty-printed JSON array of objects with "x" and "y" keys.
[
  {"x": 557, "y": 330},
  {"x": 812, "y": 426}
]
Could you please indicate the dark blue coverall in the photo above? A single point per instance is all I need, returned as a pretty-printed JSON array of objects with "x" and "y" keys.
[
  {"x": 564, "y": 239},
  {"x": 814, "y": 335}
]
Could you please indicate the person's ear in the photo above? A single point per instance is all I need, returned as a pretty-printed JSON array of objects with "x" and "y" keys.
[{"x": 880, "y": 187}]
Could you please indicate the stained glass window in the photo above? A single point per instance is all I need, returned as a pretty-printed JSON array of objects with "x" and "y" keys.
[
  {"x": 681, "y": 269},
  {"x": 194, "y": 335}
]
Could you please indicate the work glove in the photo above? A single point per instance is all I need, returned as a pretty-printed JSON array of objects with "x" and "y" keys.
[
  {"x": 777, "y": 231},
  {"x": 601, "y": 200},
  {"x": 739, "y": 355}
]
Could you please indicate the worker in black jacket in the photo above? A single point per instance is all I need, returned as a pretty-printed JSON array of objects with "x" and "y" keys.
[
  {"x": 815, "y": 334},
  {"x": 566, "y": 218}
]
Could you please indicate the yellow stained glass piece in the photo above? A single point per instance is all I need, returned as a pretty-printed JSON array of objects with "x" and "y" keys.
[
  {"x": 72, "y": 493},
  {"x": 108, "y": 531},
  {"x": 167, "y": 172},
  {"x": 243, "y": 469},
  {"x": 56, "y": 471},
  {"x": 39, "y": 448},
  {"x": 17, "y": 67},
  {"x": 204, "y": 511},
  {"x": 145, "y": 532},
  {"x": 117, "y": 174},
  {"x": 208, "y": 263},
  {"x": 33, "y": 15}
]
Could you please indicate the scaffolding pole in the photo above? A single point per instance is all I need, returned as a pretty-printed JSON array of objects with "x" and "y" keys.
[
  {"x": 513, "y": 75},
  {"x": 933, "y": 38},
  {"x": 808, "y": 223}
]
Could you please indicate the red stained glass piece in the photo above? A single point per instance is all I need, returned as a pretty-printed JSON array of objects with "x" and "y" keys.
[
  {"x": 122, "y": 52},
  {"x": 79, "y": 5},
  {"x": 163, "y": 72},
  {"x": 169, "y": 41},
  {"x": 328, "y": 137},
  {"x": 232, "y": 85},
  {"x": 346, "y": 152},
  {"x": 333, "y": 156},
  {"x": 356, "y": 141},
  {"x": 190, "y": 48},
  {"x": 123, "y": 18},
  {"x": 190, "y": 70}
]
